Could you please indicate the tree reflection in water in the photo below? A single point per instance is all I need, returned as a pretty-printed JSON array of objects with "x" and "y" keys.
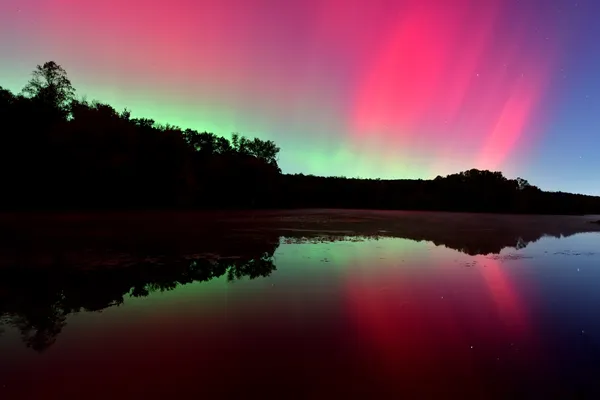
[
  {"x": 37, "y": 295},
  {"x": 37, "y": 301}
]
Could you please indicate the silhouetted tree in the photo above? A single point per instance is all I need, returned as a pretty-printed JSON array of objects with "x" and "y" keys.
[
  {"x": 265, "y": 150},
  {"x": 6, "y": 97},
  {"x": 522, "y": 184},
  {"x": 50, "y": 85}
]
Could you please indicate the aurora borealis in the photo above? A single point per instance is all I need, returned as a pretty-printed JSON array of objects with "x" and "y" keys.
[{"x": 369, "y": 88}]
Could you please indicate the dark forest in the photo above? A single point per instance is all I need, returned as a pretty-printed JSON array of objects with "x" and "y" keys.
[{"x": 61, "y": 153}]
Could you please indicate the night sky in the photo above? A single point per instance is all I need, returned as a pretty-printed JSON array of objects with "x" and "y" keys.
[{"x": 368, "y": 88}]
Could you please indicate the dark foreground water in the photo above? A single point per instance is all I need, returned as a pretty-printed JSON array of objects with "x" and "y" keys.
[{"x": 307, "y": 316}]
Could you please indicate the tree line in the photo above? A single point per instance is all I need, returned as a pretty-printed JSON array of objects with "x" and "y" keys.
[{"x": 60, "y": 152}]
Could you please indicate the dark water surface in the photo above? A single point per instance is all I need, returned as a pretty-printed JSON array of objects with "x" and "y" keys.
[{"x": 289, "y": 311}]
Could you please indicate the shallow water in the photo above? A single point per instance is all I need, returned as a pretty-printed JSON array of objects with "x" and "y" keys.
[{"x": 310, "y": 317}]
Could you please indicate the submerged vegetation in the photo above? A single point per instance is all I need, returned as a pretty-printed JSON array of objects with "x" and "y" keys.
[{"x": 64, "y": 153}]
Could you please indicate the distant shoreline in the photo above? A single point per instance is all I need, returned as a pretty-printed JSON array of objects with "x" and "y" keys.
[
  {"x": 224, "y": 212},
  {"x": 188, "y": 229}
]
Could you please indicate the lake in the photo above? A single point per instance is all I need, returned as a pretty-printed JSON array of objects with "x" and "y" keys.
[{"x": 299, "y": 304}]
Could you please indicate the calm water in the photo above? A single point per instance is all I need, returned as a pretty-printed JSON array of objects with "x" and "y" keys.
[{"x": 311, "y": 318}]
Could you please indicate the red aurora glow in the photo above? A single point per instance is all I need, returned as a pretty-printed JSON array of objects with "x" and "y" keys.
[
  {"x": 434, "y": 84},
  {"x": 371, "y": 88}
]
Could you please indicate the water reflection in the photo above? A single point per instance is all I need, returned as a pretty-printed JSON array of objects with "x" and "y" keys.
[
  {"x": 37, "y": 301},
  {"x": 39, "y": 290},
  {"x": 327, "y": 314}
]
